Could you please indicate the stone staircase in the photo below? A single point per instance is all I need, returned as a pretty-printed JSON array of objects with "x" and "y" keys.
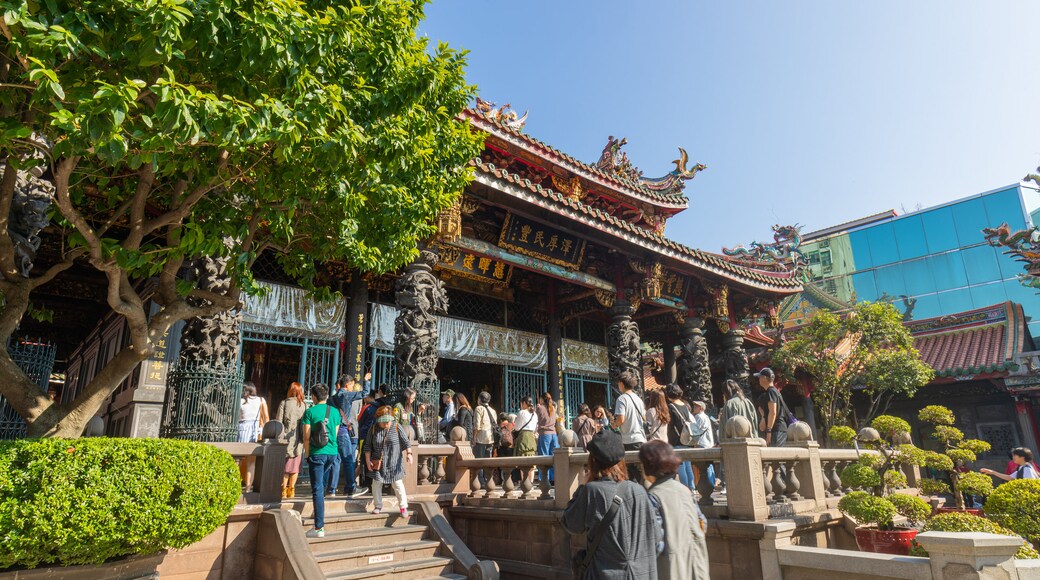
[{"x": 363, "y": 545}]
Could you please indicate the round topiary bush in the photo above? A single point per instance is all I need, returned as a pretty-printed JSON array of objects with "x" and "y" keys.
[
  {"x": 964, "y": 522},
  {"x": 85, "y": 501},
  {"x": 913, "y": 508},
  {"x": 1016, "y": 506}
]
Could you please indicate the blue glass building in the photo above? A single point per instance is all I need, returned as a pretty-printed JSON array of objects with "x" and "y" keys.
[{"x": 931, "y": 262}]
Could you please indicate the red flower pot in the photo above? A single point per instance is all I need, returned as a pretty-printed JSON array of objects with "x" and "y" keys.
[{"x": 895, "y": 541}]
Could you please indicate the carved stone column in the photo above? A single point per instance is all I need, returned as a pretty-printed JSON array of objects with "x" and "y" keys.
[
  {"x": 357, "y": 311},
  {"x": 215, "y": 338},
  {"x": 694, "y": 363},
  {"x": 420, "y": 296},
  {"x": 668, "y": 371},
  {"x": 735, "y": 359},
  {"x": 623, "y": 344}
]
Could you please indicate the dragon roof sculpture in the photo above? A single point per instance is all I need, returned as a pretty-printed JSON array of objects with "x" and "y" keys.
[
  {"x": 782, "y": 255},
  {"x": 1024, "y": 245},
  {"x": 503, "y": 115},
  {"x": 615, "y": 162}
]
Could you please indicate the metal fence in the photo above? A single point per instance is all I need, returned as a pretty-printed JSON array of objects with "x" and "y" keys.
[
  {"x": 202, "y": 402},
  {"x": 574, "y": 392},
  {"x": 522, "y": 382},
  {"x": 36, "y": 359}
]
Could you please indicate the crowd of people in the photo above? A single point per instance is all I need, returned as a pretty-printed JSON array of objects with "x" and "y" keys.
[{"x": 356, "y": 440}]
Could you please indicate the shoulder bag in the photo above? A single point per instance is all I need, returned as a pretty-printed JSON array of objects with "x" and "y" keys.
[
  {"x": 580, "y": 562},
  {"x": 378, "y": 463},
  {"x": 516, "y": 432}
]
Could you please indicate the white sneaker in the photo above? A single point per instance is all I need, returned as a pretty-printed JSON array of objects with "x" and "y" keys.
[{"x": 316, "y": 533}]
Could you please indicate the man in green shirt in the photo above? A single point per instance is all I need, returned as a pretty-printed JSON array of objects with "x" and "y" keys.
[{"x": 320, "y": 460}]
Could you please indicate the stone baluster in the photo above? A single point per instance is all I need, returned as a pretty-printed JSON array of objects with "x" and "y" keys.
[
  {"x": 792, "y": 483},
  {"x": 704, "y": 486},
  {"x": 475, "y": 489},
  {"x": 834, "y": 489},
  {"x": 439, "y": 475},
  {"x": 508, "y": 486},
  {"x": 543, "y": 484},
  {"x": 527, "y": 486},
  {"x": 767, "y": 480},
  {"x": 424, "y": 470},
  {"x": 779, "y": 485},
  {"x": 491, "y": 486}
]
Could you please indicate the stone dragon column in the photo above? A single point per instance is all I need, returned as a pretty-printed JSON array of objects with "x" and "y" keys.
[
  {"x": 623, "y": 351},
  {"x": 694, "y": 364},
  {"x": 735, "y": 360}
]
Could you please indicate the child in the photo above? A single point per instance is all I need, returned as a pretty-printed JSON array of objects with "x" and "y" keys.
[{"x": 385, "y": 446}]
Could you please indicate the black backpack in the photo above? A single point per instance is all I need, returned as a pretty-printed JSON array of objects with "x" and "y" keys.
[{"x": 320, "y": 431}]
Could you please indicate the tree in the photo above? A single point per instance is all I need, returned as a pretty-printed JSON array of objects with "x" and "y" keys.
[
  {"x": 867, "y": 349},
  {"x": 176, "y": 129}
]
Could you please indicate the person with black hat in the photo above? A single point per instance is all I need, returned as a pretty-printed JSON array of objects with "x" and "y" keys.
[
  {"x": 622, "y": 532},
  {"x": 771, "y": 407}
]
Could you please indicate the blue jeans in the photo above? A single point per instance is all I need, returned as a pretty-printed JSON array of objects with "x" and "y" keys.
[
  {"x": 547, "y": 442},
  {"x": 347, "y": 460},
  {"x": 686, "y": 474},
  {"x": 320, "y": 466}
]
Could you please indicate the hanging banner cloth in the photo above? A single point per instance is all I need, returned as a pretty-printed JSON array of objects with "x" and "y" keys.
[
  {"x": 288, "y": 311},
  {"x": 584, "y": 358},
  {"x": 467, "y": 340}
]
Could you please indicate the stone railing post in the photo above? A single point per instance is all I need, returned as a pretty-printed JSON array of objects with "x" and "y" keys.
[
  {"x": 460, "y": 475},
  {"x": 913, "y": 475},
  {"x": 777, "y": 535},
  {"x": 568, "y": 476},
  {"x": 745, "y": 487},
  {"x": 810, "y": 474},
  {"x": 970, "y": 556},
  {"x": 270, "y": 465}
]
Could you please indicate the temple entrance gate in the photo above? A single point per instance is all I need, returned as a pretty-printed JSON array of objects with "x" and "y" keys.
[{"x": 522, "y": 382}]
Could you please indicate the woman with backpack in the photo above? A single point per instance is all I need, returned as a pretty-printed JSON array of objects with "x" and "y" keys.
[
  {"x": 680, "y": 417},
  {"x": 386, "y": 446},
  {"x": 585, "y": 427}
]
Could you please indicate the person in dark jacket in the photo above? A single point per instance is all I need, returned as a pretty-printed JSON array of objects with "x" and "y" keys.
[
  {"x": 629, "y": 547},
  {"x": 463, "y": 415}
]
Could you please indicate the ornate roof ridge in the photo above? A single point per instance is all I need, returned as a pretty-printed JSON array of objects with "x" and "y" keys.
[
  {"x": 985, "y": 316},
  {"x": 618, "y": 183},
  {"x": 779, "y": 281}
]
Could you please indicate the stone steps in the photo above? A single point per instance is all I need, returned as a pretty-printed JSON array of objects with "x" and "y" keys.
[{"x": 435, "y": 567}]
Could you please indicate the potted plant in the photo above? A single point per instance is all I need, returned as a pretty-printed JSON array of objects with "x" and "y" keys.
[
  {"x": 954, "y": 458},
  {"x": 876, "y": 475}
]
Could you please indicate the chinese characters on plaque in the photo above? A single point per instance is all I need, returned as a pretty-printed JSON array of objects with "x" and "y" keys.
[
  {"x": 474, "y": 267},
  {"x": 540, "y": 241},
  {"x": 156, "y": 366}
]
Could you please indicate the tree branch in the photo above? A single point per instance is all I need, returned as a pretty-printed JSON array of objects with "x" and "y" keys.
[
  {"x": 56, "y": 269},
  {"x": 146, "y": 179},
  {"x": 7, "y": 184}
]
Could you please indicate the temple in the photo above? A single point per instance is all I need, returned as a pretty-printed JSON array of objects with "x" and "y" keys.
[{"x": 548, "y": 274}]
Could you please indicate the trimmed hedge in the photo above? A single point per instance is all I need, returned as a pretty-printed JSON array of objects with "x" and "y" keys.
[
  {"x": 965, "y": 522},
  {"x": 85, "y": 501},
  {"x": 1016, "y": 506}
]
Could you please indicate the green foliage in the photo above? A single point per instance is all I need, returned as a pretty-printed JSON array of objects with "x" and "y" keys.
[
  {"x": 868, "y": 509},
  {"x": 913, "y": 508},
  {"x": 84, "y": 501},
  {"x": 872, "y": 460},
  {"x": 320, "y": 131},
  {"x": 965, "y": 522},
  {"x": 936, "y": 415},
  {"x": 1016, "y": 505},
  {"x": 842, "y": 435},
  {"x": 957, "y": 453},
  {"x": 934, "y": 486},
  {"x": 895, "y": 479},
  {"x": 859, "y": 476},
  {"x": 889, "y": 427},
  {"x": 882, "y": 359},
  {"x": 974, "y": 483}
]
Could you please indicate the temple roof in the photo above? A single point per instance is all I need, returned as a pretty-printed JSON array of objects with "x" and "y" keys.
[
  {"x": 664, "y": 192},
  {"x": 778, "y": 282},
  {"x": 975, "y": 342}
]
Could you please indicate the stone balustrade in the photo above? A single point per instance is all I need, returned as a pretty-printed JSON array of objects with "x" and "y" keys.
[{"x": 762, "y": 482}]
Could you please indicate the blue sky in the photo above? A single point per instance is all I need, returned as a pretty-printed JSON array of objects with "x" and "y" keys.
[{"x": 809, "y": 112}]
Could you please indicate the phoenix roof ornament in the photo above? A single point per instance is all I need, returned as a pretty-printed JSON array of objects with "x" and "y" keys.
[{"x": 503, "y": 115}]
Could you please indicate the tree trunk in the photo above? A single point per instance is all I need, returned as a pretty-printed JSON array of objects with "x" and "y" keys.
[{"x": 56, "y": 420}]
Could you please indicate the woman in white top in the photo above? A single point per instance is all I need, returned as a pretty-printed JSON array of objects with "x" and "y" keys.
[
  {"x": 525, "y": 442},
  {"x": 253, "y": 415},
  {"x": 1023, "y": 459}
]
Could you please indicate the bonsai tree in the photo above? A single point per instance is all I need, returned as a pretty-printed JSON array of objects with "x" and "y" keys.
[
  {"x": 956, "y": 454},
  {"x": 879, "y": 472},
  {"x": 867, "y": 348}
]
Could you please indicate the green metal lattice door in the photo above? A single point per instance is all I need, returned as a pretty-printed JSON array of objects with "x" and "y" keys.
[
  {"x": 384, "y": 367},
  {"x": 36, "y": 359},
  {"x": 319, "y": 362},
  {"x": 575, "y": 388},
  {"x": 522, "y": 382}
]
